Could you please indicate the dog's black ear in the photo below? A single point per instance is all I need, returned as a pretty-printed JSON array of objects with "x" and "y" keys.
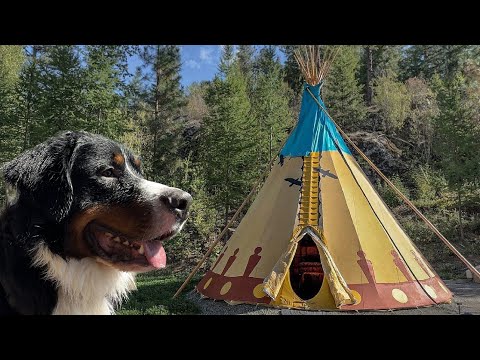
[{"x": 41, "y": 176}]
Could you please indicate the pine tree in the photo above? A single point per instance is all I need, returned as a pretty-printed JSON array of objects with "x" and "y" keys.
[
  {"x": 376, "y": 61},
  {"x": 59, "y": 90},
  {"x": 196, "y": 111},
  {"x": 193, "y": 241},
  {"x": 104, "y": 112},
  {"x": 166, "y": 100},
  {"x": 419, "y": 124},
  {"x": 137, "y": 111},
  {"x": 293, "y": 75},
  {"x": 386, "y": 59},
  {"x": 29, "y": 95},
  {"x": 444, "y": 60},
  {"x": 342, "y": 92},
  {"x": 457, "y": 132},
  {"x": 71, "y": 87},
  {"x": 415, "y": 62},
  {"x": 245, "y": 60},
  {"x": 270, "y": 105},
  {"x": 11, "y": 60},
  {"x": 227, "y": 59},
  {"x": 227, "y": 140}
]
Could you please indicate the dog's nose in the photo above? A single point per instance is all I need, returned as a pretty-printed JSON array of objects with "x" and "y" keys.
[{"x": 177, "y": 200}]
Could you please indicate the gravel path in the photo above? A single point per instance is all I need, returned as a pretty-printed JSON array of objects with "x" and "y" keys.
[
  {"x": 465, "y": 301},
  {"x": 467, "y": 295}
]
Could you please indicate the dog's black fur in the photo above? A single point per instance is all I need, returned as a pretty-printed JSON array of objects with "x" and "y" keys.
[{"x": 62, "y": 186}]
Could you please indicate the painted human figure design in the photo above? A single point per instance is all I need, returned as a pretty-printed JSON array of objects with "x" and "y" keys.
[
  {"x": 366, "y": 266},
  {"x": 230, "y": 261},
  {"x": 220, "y": 258},
  {"x": 252, "y": 261},
  {"x": 401, "y": 265},
  {"x": 422, "y": 264}
]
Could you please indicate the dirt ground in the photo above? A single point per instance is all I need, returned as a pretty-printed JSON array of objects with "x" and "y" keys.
[{"x": 466, "y": 301}]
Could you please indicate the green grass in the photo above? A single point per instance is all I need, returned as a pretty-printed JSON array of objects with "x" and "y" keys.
[{"x": 154, "y": 295}]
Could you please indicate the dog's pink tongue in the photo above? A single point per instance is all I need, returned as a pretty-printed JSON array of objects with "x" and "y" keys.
[{"x": 155, "y": 254}]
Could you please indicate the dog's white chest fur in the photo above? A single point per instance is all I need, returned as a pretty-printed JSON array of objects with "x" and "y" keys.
[{"x": 85, "y": 287}]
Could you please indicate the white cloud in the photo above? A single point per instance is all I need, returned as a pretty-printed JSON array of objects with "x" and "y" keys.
[
  {"x": 206, "y": 54},
  {"x": 201, "y": 57},
  {"x": 192, "y": 64}
]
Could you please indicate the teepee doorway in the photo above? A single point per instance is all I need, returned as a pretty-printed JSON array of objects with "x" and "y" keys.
[{"x": 306, "y": 271}]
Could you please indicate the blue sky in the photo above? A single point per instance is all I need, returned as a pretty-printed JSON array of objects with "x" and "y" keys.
[{"x": 199, "y": 62}]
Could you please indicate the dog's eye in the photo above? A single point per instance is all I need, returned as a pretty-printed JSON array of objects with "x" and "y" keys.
[{"x": 108, "y": 173}]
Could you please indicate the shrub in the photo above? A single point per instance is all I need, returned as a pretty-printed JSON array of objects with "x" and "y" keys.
[
  {"x": 388, "y": 194},
  {"x": 429, "y": 184}
]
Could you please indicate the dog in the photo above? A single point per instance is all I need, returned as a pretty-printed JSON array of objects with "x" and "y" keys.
[{"x": 79, "y": 223}]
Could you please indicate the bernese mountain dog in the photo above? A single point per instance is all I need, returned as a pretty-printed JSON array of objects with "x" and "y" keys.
[{"x": 79, "y": 223}]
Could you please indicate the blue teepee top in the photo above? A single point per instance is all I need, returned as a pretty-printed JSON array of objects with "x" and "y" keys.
[{"x": 315, "y": 131}]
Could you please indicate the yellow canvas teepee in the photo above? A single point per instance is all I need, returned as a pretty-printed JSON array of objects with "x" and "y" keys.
[{"x": 318, "y": 236}]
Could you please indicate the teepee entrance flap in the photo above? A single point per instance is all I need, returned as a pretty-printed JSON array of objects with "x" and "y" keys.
[{"x": 338, "y": 286}]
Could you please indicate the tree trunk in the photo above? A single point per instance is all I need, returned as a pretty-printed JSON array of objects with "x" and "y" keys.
[
  {"x": 99, "y": 118},
  {"x": 158, "y": 75},
  {"x": 28, "y": 109},
  {"x": 227, "y": 177},
  {"x": 369, "y": 66},
  {"x": 156, "y": 119},
  {"x": 227, "y": 192},
  {"x": 426, "y": 60},
  {"x": 154, "y": 156},
  {"x": 460, "y": 223}
]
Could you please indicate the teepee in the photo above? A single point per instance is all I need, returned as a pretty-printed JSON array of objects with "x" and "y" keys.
[{"x": 318, "y": 236}]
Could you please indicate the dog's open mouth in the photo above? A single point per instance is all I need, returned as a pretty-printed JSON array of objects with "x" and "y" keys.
[{"x": 117, "y": 248}]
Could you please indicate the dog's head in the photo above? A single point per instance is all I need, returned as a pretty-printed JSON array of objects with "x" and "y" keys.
[{"x": 94, "y": 190}]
